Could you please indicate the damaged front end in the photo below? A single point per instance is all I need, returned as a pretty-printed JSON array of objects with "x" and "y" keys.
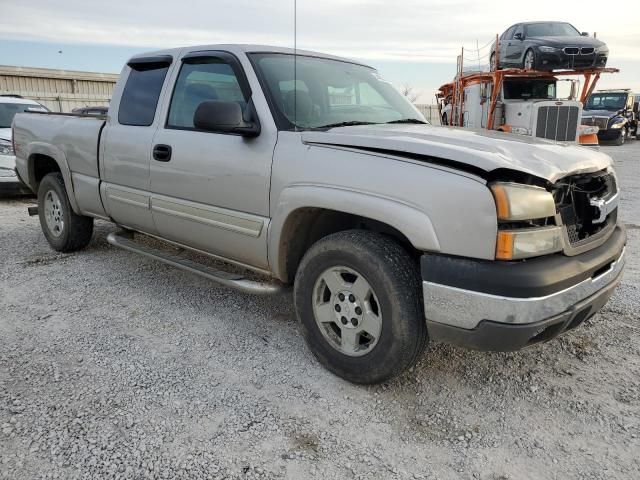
[{"x": 586, "y": 206}]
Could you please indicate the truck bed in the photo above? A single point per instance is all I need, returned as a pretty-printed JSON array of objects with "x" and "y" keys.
[
  {"x": 75, "y": 136},
  {"x": 73, "y": 140}
]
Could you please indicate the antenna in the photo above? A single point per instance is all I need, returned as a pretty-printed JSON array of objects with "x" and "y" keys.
[{"x": 295, "y": 65}]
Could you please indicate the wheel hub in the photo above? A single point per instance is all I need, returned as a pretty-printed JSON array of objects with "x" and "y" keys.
[{"x": 348, "y": 309}]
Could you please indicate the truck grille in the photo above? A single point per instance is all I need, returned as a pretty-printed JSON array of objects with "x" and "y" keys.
[
  {"x": 573, "y": 197},
  {"x": 557, "y": 122},
  {"x": 600, "y": 122}
]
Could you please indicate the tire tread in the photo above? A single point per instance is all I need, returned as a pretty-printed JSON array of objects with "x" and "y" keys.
[
  {"x": 404, "y": 274},
  {"x": 79, "y": 228}
]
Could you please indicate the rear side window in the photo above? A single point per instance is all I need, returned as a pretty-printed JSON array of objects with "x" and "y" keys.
[
  {"x": 141, "y": 93},
  {"x": 508, "y": 35},
  {"x": 519, "y": 29}
]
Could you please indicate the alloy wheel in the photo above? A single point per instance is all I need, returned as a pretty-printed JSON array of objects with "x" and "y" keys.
[
  {"x": 53, "y": 213},
  {"x": 529, "y": 60},
  {"x": 347, "y": 311}
]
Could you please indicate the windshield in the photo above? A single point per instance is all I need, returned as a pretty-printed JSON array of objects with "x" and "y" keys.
[
  {"x": 523, "y": 89},
  {"x": 606, "y": 101},
  {"x": 9, "y": 110},
  {"x": 322, "y": 93},
  {"x": 551, "y": 29}
]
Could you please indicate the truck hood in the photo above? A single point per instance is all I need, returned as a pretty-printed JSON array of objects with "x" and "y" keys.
[
  {"x": 599, "y": 113},
  {"x": 5, "y": 134},
  {"x": 477, "y": 151}
]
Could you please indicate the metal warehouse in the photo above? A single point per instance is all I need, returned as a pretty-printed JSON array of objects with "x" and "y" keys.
[{"x": 59, "y": 90}]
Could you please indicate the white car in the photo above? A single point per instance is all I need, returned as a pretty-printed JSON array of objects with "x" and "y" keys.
[{"x": 9, "y": 106}]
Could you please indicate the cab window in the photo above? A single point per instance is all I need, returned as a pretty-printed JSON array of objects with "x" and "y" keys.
[
  {"x": 200, "y": 80},
  {"x": 141, "y": 93}
]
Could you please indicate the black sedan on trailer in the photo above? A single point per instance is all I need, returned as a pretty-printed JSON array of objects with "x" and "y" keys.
[{"x": 548, "y": 46}]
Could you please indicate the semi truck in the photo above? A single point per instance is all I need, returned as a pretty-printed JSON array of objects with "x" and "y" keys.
[
  {"x": 309, "y": 171},
  {"x": 524, "y": 102},
  {"x": 614, "y": 112}
]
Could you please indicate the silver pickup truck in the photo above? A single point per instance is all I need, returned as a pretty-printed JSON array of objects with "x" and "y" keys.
[{"x": 314, "y": 172}]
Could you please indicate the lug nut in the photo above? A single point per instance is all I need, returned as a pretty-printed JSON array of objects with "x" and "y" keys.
[
  {"x": 352, "y": 299},
  {"x": 337, "y": 308},
  {"x": 344, "y": 320},
  {"x": 358, "y": 311},
  {"x": 354, "y": 322},
  {"x": 341, "y": 297}
]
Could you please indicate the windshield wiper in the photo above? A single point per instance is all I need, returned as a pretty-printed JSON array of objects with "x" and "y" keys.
[
  {"x": 409, "y": 120},
  {"x": 345, "y": 124}
]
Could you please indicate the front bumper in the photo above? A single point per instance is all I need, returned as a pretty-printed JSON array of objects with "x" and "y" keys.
[
  {"x": 609, "y": 134},
  {"x": 490, "y": 305},
  {"x": 560, "y": 60}
]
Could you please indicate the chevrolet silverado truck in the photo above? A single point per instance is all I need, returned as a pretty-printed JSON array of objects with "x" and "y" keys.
[{"x": 312, "y": 171}]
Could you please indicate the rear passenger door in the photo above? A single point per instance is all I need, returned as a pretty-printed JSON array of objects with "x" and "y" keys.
[
  {"x": 126, "y": 143},
  {"x": 212, "y": 190}
]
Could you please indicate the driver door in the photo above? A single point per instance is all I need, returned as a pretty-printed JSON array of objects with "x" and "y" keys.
[{"x": 210, "y": 191}]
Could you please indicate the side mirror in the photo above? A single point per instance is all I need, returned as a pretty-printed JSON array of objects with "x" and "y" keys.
[
  {"x": 223, "y": 117},
  {"x": 585, "y": 34},
  {"x": 518, "y": 36},
  {"x": 636, "y": 107}
]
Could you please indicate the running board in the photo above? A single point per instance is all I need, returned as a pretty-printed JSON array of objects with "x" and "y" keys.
[{"x": 125, "y": 240}]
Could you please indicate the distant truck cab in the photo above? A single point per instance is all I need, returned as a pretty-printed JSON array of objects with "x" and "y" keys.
[{"x": 614, "y": 112}]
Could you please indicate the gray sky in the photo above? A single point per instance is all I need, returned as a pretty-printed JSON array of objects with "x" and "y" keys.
[{"x": 410, "y": 41}]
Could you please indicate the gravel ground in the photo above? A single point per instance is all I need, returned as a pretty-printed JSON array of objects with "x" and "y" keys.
[{"x": 112, "y": 365}]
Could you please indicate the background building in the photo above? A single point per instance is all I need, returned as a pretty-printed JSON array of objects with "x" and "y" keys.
[
  {"x": 64, "y": 90},
  {"x": 430, "y": 112},
  {"x": 59, "y": 90}
]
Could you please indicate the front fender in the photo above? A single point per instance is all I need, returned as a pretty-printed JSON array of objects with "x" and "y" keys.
[
  {"x": 32, "y": 150},
  {"x": 412, "y": 222}
]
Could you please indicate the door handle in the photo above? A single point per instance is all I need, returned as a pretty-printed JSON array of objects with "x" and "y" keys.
[{"x": 162, "y": 153}]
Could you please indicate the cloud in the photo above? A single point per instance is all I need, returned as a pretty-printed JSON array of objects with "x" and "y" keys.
[
  {"x": 403, "y": 30},
  {"x": 381, "y": 32}
]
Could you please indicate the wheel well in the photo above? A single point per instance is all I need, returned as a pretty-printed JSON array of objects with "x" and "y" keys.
[
  {"x": 306, "y": 226},
  {"x": 41, "y": 165}
]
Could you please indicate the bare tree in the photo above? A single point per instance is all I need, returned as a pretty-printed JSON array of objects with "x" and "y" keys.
[{"x": 408, "y": 91}]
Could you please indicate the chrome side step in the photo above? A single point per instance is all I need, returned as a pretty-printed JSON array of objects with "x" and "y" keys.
[{"x": 125, "y": 240}]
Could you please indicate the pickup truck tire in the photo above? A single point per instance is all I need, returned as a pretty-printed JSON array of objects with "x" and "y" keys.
[
  {"x": 621, "y": 138},
  {"x": 62, "y": 227},
  {"x": 358, "y": 300}
]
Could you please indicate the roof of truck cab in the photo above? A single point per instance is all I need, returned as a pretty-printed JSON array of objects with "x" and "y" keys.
[{"x": 248, "y": 48}]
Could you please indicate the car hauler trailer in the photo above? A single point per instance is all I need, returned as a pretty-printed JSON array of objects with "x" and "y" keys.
[{"x": 520, "y": 101}]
